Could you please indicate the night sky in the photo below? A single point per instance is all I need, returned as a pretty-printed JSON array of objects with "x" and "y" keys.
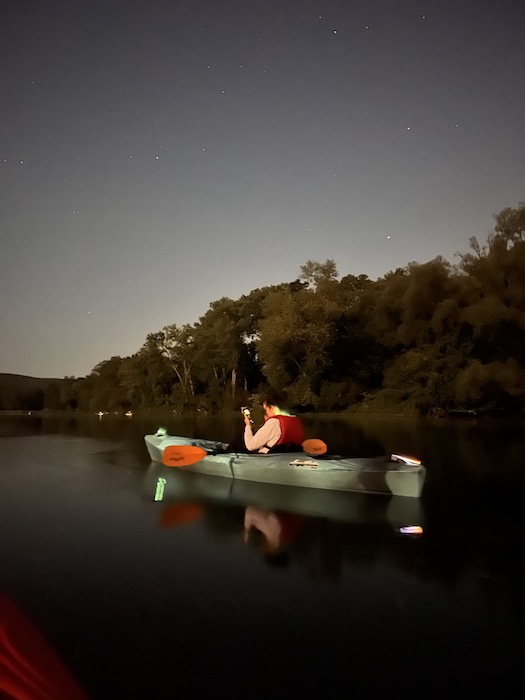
[{"x": 158, "y": 155}]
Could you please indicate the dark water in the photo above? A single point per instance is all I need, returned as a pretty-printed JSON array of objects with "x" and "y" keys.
[{"x": 148, "y": 599}]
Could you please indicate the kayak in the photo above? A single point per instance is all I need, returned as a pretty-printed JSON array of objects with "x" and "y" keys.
[{"x": 393, "y": 475}]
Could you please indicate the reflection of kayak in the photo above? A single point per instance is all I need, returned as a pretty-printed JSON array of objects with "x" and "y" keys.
[
  {"x": 180, "y": 486},
  {"x": 395, "y": 475},
  {"x": 29, "y": 668}
]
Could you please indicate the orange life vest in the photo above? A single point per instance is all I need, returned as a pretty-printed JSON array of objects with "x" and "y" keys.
[{"x": 292, "y": 431}]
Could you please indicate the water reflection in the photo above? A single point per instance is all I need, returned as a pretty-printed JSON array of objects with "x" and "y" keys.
[
  {"x": 171, "y": 483},
  {"x": 278, "y": 532},
  {"x": 326, "y": 532},
  {"x": 320, "y": 531},
  {"x": 148, "y": 566}
]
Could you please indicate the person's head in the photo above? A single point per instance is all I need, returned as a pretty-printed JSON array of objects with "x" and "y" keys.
[{"x": 274, "y": 402}]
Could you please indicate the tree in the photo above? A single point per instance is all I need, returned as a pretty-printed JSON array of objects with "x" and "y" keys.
[
  {"x": 316, "y": 273},
  {"x": 510, "y": 225},
  {"x": 296, "y": 332},
  {"x": 52, "y": 397},
  {"x": 499, "y": 383},
  {"x": 147, "y": 377},
  {"x": 496, "y": 271},
  {"x": 221, "y": 343},
  {"x": 107, "y": 392},
  {"x": 176, "y": 344}
]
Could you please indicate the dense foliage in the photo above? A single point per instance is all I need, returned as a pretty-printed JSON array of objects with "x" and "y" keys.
[
  {"x": 23, "y": 393},
  {"x": 431, "y": 337}
]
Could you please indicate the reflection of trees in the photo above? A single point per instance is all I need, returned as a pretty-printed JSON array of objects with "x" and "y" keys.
[{"x": 453, "y": 451}]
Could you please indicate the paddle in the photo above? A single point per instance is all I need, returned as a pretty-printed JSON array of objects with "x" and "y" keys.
[
  {"x": 313, "y": 446},
  {"x": 184, "y": 455}
]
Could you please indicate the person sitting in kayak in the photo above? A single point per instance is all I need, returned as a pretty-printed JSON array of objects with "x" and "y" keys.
[{"x": 281, "y": 431}]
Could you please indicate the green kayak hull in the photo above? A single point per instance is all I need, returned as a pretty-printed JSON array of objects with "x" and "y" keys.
[{"x": 389, "y": 475}]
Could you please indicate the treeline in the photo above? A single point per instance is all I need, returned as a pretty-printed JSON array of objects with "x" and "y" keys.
[
  {"x": 22, "y": 393},
  {"x": 431, "y": 337}
]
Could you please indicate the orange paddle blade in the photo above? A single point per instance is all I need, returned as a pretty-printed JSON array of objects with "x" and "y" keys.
[
  {"x": 315, "y": 447},
  {"x": 182, "y": 455}
]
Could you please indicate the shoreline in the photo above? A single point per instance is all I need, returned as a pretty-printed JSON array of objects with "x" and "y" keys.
[{"x": 455, "y": 416}]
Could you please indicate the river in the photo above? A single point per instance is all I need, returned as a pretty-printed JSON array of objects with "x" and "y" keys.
[{"x": 146, "y": 585}]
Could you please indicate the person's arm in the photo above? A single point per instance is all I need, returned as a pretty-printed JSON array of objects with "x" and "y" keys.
[{"x": 268, "y": 434}]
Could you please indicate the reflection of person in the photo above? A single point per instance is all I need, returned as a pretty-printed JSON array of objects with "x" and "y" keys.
[
  {"x": 278, "y": 530},
  {"x": 281, "y": 431}
]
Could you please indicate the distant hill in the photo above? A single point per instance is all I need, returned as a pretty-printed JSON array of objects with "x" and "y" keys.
[
  {"x": 23, "y": 381},
  {"x": 20, "y": 392}
]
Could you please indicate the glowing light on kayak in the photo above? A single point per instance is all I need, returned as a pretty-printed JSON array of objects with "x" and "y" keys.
[
  {"x": 411, "y": 530},
  {"x": 159, "y": 492},
  {"x": 407, "y": 460}
]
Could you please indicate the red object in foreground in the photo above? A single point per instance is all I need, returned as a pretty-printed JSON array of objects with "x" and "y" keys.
[
  {"x": 30, "y": 669},
  {"x": 182, "y": 455}
]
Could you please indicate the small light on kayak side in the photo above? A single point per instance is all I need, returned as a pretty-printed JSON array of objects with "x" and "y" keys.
[
  {"x": 411, "y": 530},
  {"x": 406, "y": 460}
]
